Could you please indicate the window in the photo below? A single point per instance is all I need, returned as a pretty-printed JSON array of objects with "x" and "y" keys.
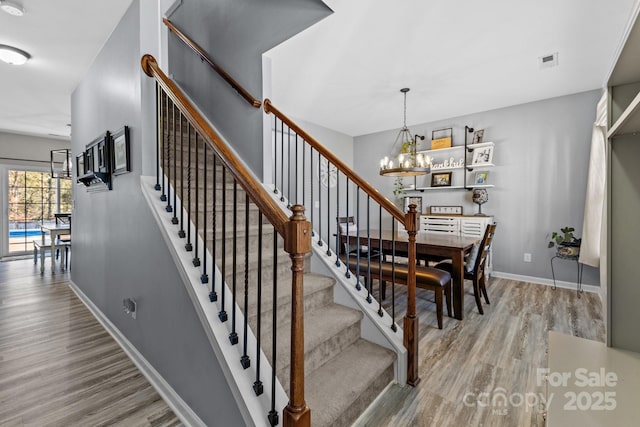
[{"x": 34, "y": 198}]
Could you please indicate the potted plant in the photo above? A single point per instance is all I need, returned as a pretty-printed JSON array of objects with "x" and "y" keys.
[{"x": 567, "y": 244}]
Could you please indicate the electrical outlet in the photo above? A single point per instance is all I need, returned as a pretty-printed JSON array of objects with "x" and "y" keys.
[
  {"x": 527, "y": 257},
  {"x": 129, "y": 306},
  {"x": 316, "y": 204}
]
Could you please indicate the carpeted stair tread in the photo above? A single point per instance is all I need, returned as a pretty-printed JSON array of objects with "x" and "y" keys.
[
  {"x": 340, "y": 390},
  {"x": 322, "y": 326}
]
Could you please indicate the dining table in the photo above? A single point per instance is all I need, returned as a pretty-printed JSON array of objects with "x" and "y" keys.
[
  {"x": 442, "y": 245},
  {"x": 54, "y": 230}
]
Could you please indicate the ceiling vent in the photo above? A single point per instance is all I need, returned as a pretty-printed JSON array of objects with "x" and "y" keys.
[{"x": 548, "y": 61}]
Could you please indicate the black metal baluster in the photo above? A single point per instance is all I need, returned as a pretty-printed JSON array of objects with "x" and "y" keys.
[
  {"x": 181, "y": 232},
  {"x": 213, "y": 296},
  {"x": 174, "y": 219},
  {"x": 347, "y": 273},
  {"x": 296, "y": 201},
  {"x": 358, "y": 287},
  {"x": 281, "y": 160},
  {"x": 273, "y": 414},
  {"x": 381, "y": 283},
  {"x": 245, "y": 361},
  {"x": 319, "y": 199},
  {"x": 165, "y": 117},
  {"x": 188, "y": 246},
  {"x": 257, "y": 385},
  {"x": 196, "y": 260},
  {"x": 160, "y": 128},
  {"x": 223, "y": 314},
  {"x": 289, "y": 167},
  {"x": 312, "y": 206},
  {"x": 393, "y": 276},
  {"x": 304, "y": 166},
  {"x": 233, "y": 336},
  {"x": 168, "y": 208},
  {"x": 368, "y": 249},
  {"x": 328, "y": 208},
  {"x": 204, "y": 278},
  {"x": 275, "y": 154},
  {"x": 338, "y": 222}
]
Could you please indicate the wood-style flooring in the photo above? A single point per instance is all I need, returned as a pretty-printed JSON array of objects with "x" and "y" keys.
[
  {"x": 58, "y": 365},
  {"x": 499, "y": 352}
]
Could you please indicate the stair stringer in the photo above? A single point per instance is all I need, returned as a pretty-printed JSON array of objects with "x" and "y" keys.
[
  {"x": 253, "y": 408},
  {"x": 373, "y": 327}
]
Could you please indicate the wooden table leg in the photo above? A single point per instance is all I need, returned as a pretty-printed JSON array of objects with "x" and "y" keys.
[{"x": 457, "y": 276}]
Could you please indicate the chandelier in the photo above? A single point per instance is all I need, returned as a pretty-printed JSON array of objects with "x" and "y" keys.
[{"x": 409, "y": 163}]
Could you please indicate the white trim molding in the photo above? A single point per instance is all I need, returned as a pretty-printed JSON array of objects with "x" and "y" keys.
[
  {"x": 175, "y": 402},
  {"x": 543, "y": 281}
]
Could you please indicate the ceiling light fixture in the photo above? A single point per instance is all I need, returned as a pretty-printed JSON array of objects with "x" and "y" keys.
[
  {"x": 409, "y": 163},
  {"x": 12, "y": 55},
  {"x": 12, "y": 8}
]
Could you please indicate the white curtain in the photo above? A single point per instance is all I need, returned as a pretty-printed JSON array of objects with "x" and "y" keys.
[{"x": 594, "y": 205}]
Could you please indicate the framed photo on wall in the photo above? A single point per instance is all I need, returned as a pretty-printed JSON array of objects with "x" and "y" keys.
[
  {"x": 477, "y": 136},
  {"x": 481, "y": 177},
  {"x": 121, "y": 151},
  {"x": 80, "y": 170},
  {"x": 482, "y": 155},
  {"x": 441, "y": 179}
]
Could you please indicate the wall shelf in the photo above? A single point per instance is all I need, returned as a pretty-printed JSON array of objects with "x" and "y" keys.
[{"x": 629, "y": 121}]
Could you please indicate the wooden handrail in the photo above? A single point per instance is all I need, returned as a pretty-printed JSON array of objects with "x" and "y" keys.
[
  {"x": 203, "y": 55},
  {"x": 342, "y": 167},
  {"x": 253, "y": 188}
]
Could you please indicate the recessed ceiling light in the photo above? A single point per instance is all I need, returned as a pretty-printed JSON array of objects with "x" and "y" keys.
[
  {"x": 12, "y": 8},
  {"x": 12, "y": 55}
]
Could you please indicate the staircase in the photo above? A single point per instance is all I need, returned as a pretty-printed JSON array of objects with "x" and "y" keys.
[{"x": 343, "y": 372}]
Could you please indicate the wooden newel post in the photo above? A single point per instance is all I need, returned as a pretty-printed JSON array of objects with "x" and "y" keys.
[
  {"x": 410, "y": 326},
  {"x": 297, "y": 244}
]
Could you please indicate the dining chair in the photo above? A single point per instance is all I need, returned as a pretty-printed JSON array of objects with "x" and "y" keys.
[
  {"x": 475, "y": 266},
  {"x": 62, "y": 219},
  {"x": 347, "y": 225}
]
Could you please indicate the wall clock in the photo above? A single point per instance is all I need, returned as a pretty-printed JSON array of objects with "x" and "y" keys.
[{"x": 328, "y": 174}]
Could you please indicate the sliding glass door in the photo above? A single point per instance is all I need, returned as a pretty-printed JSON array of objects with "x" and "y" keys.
[{"x": 33, "y": 197}]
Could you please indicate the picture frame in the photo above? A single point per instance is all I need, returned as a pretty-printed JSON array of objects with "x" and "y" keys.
[
  {"x": 80, "y": 164},
  {"x": 482, "y": 156},
  {"x": 477, "y": 136},
  {"x": 415, "y": 200},
  {"x": 445, "y": 210},
  {"x": 120, "y": 149},
  {"x": 481, "y": 177},
  {"x": 441, "y": 138},
  {"x": 441, "y": 179},
  {"x": 89, "y": 162},
  {"x": 102, "y": 156}
]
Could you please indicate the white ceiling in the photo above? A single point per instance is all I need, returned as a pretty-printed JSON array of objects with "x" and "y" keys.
[
  {"x": 458, "y": 57},
  {"x": 63, "y": 38},
  {"x": 345, "y": 73}
]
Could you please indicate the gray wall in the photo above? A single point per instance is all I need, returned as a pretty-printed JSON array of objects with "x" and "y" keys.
[
  {"x": 541, "y": 155},
  {"x": 118, "y": 251},
  {"x": 28, "y": 149},
  {"x": 235, "y": 34}
]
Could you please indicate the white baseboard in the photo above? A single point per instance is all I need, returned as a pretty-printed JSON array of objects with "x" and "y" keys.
[
  {"x": 175, "y": 402},
  {"x": 543, "y": 281}
]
